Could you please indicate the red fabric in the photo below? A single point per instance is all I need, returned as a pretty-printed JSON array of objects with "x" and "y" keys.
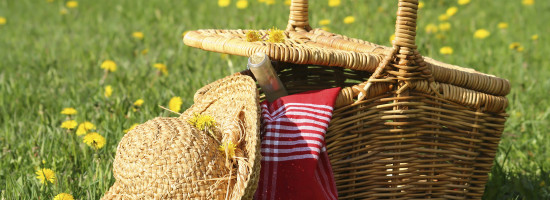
[{"x": 295, "y": 162}]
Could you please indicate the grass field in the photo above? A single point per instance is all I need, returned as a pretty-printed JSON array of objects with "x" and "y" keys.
[{"x": 51, "y": 53}]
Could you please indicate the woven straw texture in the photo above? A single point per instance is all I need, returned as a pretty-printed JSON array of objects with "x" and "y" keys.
[
  {"x": 167, "y": 158},
  {"x": 405, "y": 126}
]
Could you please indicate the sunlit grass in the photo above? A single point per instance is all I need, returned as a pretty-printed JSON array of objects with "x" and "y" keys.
[{"x": 51, "y": 53}]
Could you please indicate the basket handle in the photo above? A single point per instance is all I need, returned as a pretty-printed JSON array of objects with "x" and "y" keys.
[
  {"x": 408, "y": 65},
  {"x": 405, "y": 58},
  {"x": 405, "y": 26},
  {"x": 298, "y": 19}
]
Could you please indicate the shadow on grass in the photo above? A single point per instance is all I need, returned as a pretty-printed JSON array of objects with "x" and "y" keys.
[{"x": 504, "y": 184}]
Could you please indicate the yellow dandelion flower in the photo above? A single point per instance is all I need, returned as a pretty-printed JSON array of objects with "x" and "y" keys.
[
  {"x": 516, "y": 46},
  {"x": 288, "y": 2},
  {"x": 94, "y": 140},
  {"x": 70, "y": 124},
  {"x": 349, "y": 19},
  {"x": 440, "y": 36},
  {"x": 334, "y": 3},
  {"x": 392, "y": 38},
  {"x": 503, "y": 25},
  {"x": 229, "y": 148},
  {"x": 431, "y": 28},
  {"x": 108, "y": 91},
  {"x": 139, "y": 102},
  {"x": 451, "y": 11},
  {"x": 144, "y": 51},
  {"x": 88, "y": 125},
  {"x": 535, "y": 37},
  {"x": 72, "y": 4},
  {"x": 45, "y": 175},
  {"x": 446, "y": 50},
  {"x": 202, "y": 122},
  {"x": 276, "y": 35},
  {"x": 445, "y": 26},
  {"x": 223, "y": 3},
  {"x": 463, "y": 2},
  {"x": 443, "y": 17},
  {"x": 252, "y": 36},
  {"x": 63, "y": 196},
  {"x": 138, "y": 35},
  {"x": 324, "y": 22},
  {"x": 175, "y": 104},
  {"x": 528, "y": 2},
  {"x": 421, "y": 5},
  {"x": 270, "y": 2},
  {"x": 131, "y": 127},
  {"x": 2, "y": 20},
  {"x": 84, "y": 127},
  {"x": 108, "y": 65},
  {"x": 324, "y": 28},
  {"x": 161, "y": 67},
  {"x": 242, "y": 4},
  {"x": 481, "y": 34},
  {"x": 68, "y": 111},
  {"x": 81, "y": 131}
]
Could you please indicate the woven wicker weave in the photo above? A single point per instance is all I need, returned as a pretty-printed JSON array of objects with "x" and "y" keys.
[
  {"x": 167, "y": 158},
  {"x": 406, "y": 126}
]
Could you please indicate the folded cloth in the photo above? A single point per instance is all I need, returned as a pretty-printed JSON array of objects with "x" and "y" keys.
[{"x": 295, "y": 163}]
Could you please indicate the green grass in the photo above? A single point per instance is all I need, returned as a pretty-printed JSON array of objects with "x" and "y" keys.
[{"x": 49, "y": 61}]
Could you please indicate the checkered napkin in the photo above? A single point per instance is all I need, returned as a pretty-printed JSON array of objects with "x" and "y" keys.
[{"x": 295, "y": 162}]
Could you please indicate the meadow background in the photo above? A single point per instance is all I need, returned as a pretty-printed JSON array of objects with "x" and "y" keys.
[{"x": 52, "y": 51}]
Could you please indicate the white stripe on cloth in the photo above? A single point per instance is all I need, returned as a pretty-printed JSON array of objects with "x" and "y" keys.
[
  {"x": 302, "y": 114},
  {"x": 292, "y": 150},
  {"x": 293, "y": 135},
  {"x": 289, "y": 106},
  {"x": 286, "y": 109},
  {"x": 291, "y": 143},
  {"x": 303, "y": 121},
  {"x": 296, "y": 157},
  {"x": 295, "y": 128},
  {"x": 303, "y": 110}
]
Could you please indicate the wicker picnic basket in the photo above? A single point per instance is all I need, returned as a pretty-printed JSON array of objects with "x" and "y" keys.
[{"x": 405, "y": 126}]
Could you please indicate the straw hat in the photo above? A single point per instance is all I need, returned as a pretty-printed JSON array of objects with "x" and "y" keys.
[{"x": 174, "y": 158}]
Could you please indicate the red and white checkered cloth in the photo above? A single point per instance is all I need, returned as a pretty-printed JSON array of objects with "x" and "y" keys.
[{"x": 295, "y": 162}]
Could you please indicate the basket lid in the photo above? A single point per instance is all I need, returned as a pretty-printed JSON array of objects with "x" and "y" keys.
[{"x": 401, "y": 62}]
